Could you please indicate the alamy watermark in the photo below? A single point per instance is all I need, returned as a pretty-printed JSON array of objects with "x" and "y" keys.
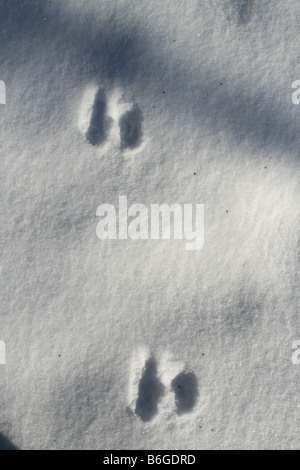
[
  {"x": 296, "y": 353},
  {"x": 160, "y": 221},
  {"x": 2, "y": 353},
  {"x": 296, "y": 94},
  {"x": 2, "y": 92}
]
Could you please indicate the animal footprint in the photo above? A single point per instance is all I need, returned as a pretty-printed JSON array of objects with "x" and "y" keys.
[
  {"x": 149, "y": 393},
  {"x": 131, "y": 128},
  {"x": 99, "y": 123},
  {"x": 244, "y": 10},
  {"x": 185, "y": 388},
  {"x": 152, "y": 387},
  {"x": 105, "y": 118}
]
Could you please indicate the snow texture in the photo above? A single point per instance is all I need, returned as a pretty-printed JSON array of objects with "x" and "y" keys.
[{"x": 122, "y": 344}]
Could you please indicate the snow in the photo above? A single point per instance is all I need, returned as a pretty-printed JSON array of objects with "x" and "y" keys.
[{"x": 140, "y": 344}]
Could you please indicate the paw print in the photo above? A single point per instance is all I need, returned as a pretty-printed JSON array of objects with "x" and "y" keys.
[
  {"x": 152, "y": 386},
  {"x": 106, "y": 120}
]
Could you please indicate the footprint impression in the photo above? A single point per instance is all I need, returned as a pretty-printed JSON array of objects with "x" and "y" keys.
[
  {"x": 99, "y": 123},
  {"x": 150, "y": 389},
  {"x": 185, "y": 388},
  {"x": 105, "y": 118}
]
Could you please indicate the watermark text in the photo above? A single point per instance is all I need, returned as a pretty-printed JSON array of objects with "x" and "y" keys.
[
  {"x": 2, "y": 92},
  {"x": 296, "y": 353},
  {"x": 296, "y": 94},
  {"x": 2, "y": 353},
  {"x": 161, "y": 221}
]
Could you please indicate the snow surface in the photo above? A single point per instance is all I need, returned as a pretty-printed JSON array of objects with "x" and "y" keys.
[{"x": 105, "y": 339}]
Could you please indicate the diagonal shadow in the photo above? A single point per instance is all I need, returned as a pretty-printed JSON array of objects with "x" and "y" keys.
[{"x": 117, "y": 52}]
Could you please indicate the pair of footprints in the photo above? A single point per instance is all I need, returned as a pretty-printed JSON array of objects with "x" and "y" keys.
[
  {"x": 151, "y": 390},
  {"x": 107, "y": 115}
]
